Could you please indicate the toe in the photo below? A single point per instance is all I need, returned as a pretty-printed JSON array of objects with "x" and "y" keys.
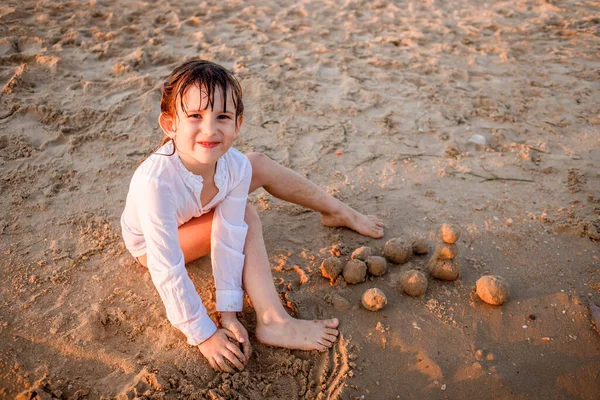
[
  {"x": 332, "y": 323},
  {"x": 320, "y": 347},
  {"x": 324, "y": 342},
  {"x": 330, "y": 338},
  {"x": 331, "y": 331}
]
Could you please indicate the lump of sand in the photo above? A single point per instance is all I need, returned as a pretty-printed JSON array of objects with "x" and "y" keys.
[
  {"x": 420, "y": 246},
  {"x": 362, "y": 253},
  {"x": 376, "y": 265},
  {"x": 331, "y": 268},
  {"x": 444, "y": 251},
  {"x": 449, "y": 233},
  {"x": 492, "y": 289},
  {"x": 355, "y": 271},
  {"x": 446, "y": 270},
  {"x": 397, "y": 251},
  {"x": 373, "y": 299},
  {"x": 413, "y": 283}
]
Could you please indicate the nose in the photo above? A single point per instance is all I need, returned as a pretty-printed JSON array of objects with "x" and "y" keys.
[{"x": 209, "y": 127}]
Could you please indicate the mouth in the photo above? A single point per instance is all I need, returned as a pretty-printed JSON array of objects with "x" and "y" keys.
[{"x": 208, "y": 145}]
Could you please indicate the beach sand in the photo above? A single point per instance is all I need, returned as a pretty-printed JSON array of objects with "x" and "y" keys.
[{"x": 376, "y": 102}]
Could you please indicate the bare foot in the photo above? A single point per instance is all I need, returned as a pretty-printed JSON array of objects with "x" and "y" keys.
[
  {"x": 298, "y": 334},
  {"x": 366, "y": 225}
]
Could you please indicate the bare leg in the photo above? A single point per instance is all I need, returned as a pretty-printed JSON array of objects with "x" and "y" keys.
[
  {"x": 194, "y": 238},
  {"x": 274, "y": 325},
  {"x": 288, "y": 185}
]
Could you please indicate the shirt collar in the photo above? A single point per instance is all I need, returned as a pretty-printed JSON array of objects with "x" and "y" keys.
[{"x": 193, "y": 181}]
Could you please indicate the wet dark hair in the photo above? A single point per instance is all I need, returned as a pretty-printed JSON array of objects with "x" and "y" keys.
[{"x": 205, "y": 75}]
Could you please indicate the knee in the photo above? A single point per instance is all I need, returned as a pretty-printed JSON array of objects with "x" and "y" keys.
[
  {"x": 251, "y": 216},
  {"x": 259, "y": 163}
]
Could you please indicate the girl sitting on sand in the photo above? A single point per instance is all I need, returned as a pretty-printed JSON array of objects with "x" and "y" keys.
[{"x": 188, "y": 199}]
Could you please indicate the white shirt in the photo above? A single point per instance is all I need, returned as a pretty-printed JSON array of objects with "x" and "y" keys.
[{"x": 163, "y": 195}]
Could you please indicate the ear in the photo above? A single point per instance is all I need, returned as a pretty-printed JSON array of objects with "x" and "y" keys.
[
  {"x": 167, "y": 124},
  {"x": 240, "y": 120}
]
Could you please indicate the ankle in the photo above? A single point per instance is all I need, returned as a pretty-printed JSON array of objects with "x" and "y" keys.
[{"x": 272, "y": 317}]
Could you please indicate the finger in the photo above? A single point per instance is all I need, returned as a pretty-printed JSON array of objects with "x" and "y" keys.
[
  {"x": 247, "y": 348},
  {"x": 234, "y": 359},
  {"x": 235, "y": 349},
  {"x": 213, "y": 364},
  {"x": 239, "y": 334},
  {"x": 243, "y": 335},
  {"x": 223, "y": 365},
  {"x": 229, "y": 334}
]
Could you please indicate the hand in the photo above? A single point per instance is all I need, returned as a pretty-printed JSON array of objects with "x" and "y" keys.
[
  {"x": 218, "y": 348},
  {"x": 230, "y": 322}
]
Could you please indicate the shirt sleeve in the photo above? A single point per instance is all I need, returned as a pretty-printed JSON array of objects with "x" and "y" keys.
[
  {"x": 166, "y": 263},
  {"x": 227, "y": 243}
]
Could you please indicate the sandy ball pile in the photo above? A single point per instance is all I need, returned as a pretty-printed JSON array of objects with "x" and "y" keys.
[
  {"x": 449, "y": 234},
  {"x": 355, "y": 271},
  {"x": 362, "y": 253},
  {"x": 373, "y": 299},
  {"x": 331, "y": 268},
  {"x": 376, "y": 265},
  {"x": 413, "y": 283},
  {"x": 446, "y": 270},
  {"x": 397, "y": 251},
  {"x": 492, "y": 289},
  {"x": 420, "y": 246},
  {"x": 445, "y": 251}
]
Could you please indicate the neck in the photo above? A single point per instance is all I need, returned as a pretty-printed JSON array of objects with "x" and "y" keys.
[{"x": 206, "y": 171}]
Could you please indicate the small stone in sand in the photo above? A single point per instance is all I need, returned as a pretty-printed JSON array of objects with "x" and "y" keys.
[
  {"x": 355, "y": 271},
  {"x": 413, "y": 282},
  {"x": 420, "y": 246},
  {"x": 397, "y": 251},
  {"x": 362, "y": 253},
  {"x": 449, "y": 233},
  {"x": 331, "y": 268},
  {"x": 376, "y": 265},
  {"x": 492, "y": 289},
  {"x": 444, "y": 251},
  {"x": 373, "y": 299},
  {"x": 447, "y": 270}
]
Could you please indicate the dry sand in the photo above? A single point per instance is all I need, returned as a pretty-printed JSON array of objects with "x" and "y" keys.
[{"x": 397, "y": 88}]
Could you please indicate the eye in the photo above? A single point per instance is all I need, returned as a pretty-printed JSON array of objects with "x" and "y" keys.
[
  {"x": 196, "y": 116},
  {"x": 224, "y": 116}
]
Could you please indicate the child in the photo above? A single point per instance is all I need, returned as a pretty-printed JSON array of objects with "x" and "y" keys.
[{"x": 188, "y": 199}]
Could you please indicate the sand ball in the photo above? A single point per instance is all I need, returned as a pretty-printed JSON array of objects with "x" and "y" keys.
[
  {"x": 449, "y": 233},
  {"x": 331, "y": 268},
  {"x": 444, "y": 251},
  {"x": 355, "y": 271},
  {"x": 362, "y": 253},
  {"x": 413, "y": 282},
  {"x": 397, "y": 251},
  {"x": 447, "y": 270},
  {"x": 376, "y": 265},
  {"x": 420, "y": 246},
  {"x": 373, "y": 299},
  {"x": 492, "y": 289}
]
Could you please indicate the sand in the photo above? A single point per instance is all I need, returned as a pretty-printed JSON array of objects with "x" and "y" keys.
[{"x": 374, "y": 101}]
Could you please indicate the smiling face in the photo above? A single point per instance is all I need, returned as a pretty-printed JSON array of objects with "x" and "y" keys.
[{"x": 203, "y": 132}]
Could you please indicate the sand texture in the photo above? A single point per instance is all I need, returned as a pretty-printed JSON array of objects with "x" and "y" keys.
[{"x": 376, "y": 101}]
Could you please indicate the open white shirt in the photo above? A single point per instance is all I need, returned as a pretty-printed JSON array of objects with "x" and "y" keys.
[{"x": 163, "y": 195}]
